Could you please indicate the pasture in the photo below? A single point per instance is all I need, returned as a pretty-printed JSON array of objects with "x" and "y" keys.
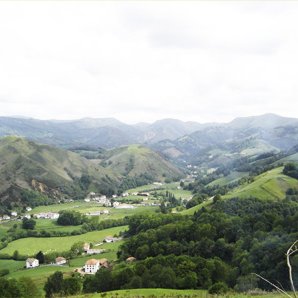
[
  {"x": 30, "y": 246},
  {"x": 171, "y": 293},
  {"x": 269, "y": 185}
]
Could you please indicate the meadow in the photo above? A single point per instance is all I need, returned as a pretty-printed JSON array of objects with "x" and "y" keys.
[
  {"x": 169, "y": 293},
  {"x": 269, "y": 185},
  {"x": 30, "y": 246}
]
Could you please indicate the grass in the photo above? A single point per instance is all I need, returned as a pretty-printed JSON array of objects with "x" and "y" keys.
[
  {"x": 85, "y": 207},
  {"x": 30, "y": 246},
  {"x": 194, "y": 209},
  {"x": 167, "y": 293},
  {"x": 111, "y": 255},
  {"x": 40, "y": 274},
  {"x": 269, "y": 185},
  {"x": 232, "y": 177},
  {"x": 11, "y": 265},
  {"x": 171, "y": 187}
]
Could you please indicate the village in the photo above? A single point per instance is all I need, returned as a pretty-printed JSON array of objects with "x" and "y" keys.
[{"x": 91, "y": 265}]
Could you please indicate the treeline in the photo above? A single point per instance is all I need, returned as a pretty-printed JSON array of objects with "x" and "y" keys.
[{"x": 291, "y": 170}]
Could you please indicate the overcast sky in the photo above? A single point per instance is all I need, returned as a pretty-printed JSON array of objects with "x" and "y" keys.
[{"x": 143, "y": 61}]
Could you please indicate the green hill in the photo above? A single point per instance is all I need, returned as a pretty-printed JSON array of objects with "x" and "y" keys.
[
  {"x": 269, "y": 185},
  {"x": 57, "y": 173},
  {"x": 137, "y": 160}
]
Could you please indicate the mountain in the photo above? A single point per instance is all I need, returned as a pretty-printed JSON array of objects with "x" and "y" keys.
[
  {"x": 242, "y": 137},
  {"x": 104, "y": 132},
  {"x": 57, "y": 173},
  {"x": 167, "y": 129},
  {"x": 137, "y": 160}
]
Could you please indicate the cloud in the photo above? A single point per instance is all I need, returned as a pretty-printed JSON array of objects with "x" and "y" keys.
[{"x": 140, "y": 61}]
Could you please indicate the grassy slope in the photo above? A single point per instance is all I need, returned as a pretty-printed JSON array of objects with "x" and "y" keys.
[
  {"x": 232, "y": 177},
  {"x": 135, "y": 160},
  {"x": 167, "y": 293},
  {"x": 269, "y": 185},
  {"x": 30, "y": 246}
]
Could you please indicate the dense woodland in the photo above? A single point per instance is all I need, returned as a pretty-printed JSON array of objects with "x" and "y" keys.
[{"x": 225, "y": 243}]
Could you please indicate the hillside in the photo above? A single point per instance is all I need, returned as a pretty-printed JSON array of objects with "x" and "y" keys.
[
  {"x": 137, "y": 160},
  {"x": 55, "y": 172},
  {"x": 269, "y": 185}
]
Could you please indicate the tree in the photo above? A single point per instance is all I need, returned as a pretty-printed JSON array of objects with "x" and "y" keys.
[
  {"x": 16, "y": 255},
  {"x": 40, "y": 257},
  {"x": 28, "y": 224},
  {"x": 54, "y": 284},
  {"x": 218, "y": 288},
  {"x": 72, "y": 285}
]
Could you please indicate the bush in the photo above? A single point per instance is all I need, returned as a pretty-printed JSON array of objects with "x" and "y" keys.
[
  {"x": 4, "y": 272},
  {"x": 218, "y": 288}
]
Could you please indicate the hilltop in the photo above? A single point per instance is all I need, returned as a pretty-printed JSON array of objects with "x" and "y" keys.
[{"x": 136, "y": 160}]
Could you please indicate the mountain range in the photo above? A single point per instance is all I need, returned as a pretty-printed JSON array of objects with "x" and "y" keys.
[{"x": 170, "y": 135}]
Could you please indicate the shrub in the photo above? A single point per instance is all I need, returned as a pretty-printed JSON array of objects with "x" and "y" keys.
[{"x": 218, "y": 288}]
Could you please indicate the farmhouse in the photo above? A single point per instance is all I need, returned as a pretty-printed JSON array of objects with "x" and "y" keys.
[
  {"x": 14, "y": 213},
  {"x": 124, "y": 206},
  {"x": 110, "y": 239},
  {"x": 93, "y": 251},
  {"x": 91, "y": 266},
  {"x": 130, "y": 259},
  {"x": 104, "y": 263},
  {"x": 32, "y": 263},
  {"x": 60, "y": 261},
  {"x": 86, "y": 247},
  {"x": 47, "y": 215},
  {"x": 28, "y": 209}
]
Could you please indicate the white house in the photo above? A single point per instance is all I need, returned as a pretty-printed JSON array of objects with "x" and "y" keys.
[
  {"x": 28, "y": 209},
  {"x": 6, "y": 217},
  {"x": 91, "y": 266},
  {"x": 32, "y": 263},
  {"x": 14, "y": 213},
  {"x": 28, "y": 216},
  {"x": 124, "y": 206},
  {"x": 60, "y": 261}
]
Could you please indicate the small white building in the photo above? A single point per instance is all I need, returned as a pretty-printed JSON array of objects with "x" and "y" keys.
[
  {"x": 6, "y": 217},
  {"x": 14, "y": 213},
  {"x": 60, "y": 261},
  {"x": 32, "y": 263},
  {"x": 124, "y": 206},
  {"x": 28, "y": 209},
  {"x": 28, "y": 216},
  {"x": 87, "y": 200},
  {"x": 91, "y": 266}
]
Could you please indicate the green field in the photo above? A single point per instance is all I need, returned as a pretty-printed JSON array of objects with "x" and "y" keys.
[
  {"x": 30, "y": 246},
  {"x": 269, "y": 185},
  {"x": 167, "y": 293},
  {"x": 171, "y": 187},
  {"x": 194, "y": 209},
  {"x": 111, "y": 254},
  {"x": 11, "y": 265},
  {"x": 232, "y": 177},
  {"x": 40, "y": 274}
]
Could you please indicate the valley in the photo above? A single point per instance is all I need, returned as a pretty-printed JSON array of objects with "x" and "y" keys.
[{"x": 189, "y": 221}]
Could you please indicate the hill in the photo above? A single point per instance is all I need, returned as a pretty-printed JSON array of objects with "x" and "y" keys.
[
  {"x": 55, "y": 172},
  {"x": 137, "y": 160},
  {"x": 269, "y": 185}
]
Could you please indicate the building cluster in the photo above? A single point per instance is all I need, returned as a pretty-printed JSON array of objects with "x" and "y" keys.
[
  {"x": 33, "y": 263},
  {"x": 47, "y": 215}
]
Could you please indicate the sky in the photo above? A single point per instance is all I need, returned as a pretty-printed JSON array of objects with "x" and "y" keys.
[{"x": 140, "y": 61}]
